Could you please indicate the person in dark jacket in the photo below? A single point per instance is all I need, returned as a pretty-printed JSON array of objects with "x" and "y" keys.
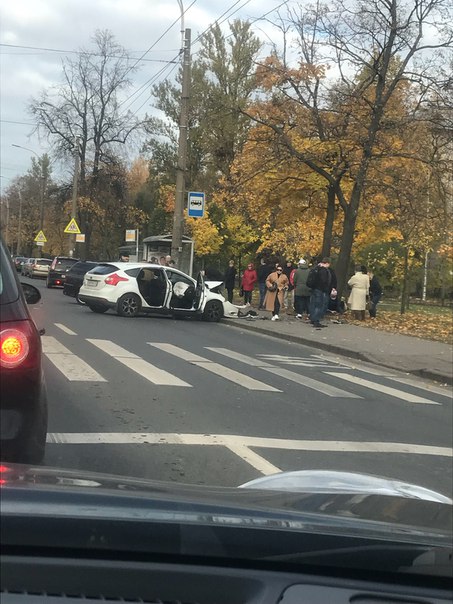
[
  {"x": 375, "y": 294},
  {"x": 229, "y": 279},
  {"x": 263, "y": 272},
  {"x": 301, "y": 291},
  {"x": 321, "y": 280},
  {"x": 287, "y": 296}
]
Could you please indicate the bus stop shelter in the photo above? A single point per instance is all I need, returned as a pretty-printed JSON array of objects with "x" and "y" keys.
[{"x": 160, "y": 245}]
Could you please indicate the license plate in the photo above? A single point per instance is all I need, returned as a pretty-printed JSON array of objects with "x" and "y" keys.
[{"x": 92, "y": 283}]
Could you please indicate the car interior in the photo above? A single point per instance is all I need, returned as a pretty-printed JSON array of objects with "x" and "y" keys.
[
  {"x": 152, "y": 285},
  {"x": 183, "y": 292}
]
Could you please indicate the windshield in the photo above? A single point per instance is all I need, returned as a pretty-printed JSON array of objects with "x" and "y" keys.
[{"x": 255, "y": 202}]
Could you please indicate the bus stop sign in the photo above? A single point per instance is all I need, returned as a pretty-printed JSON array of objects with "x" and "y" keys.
[{"x": 195, "y": 204}]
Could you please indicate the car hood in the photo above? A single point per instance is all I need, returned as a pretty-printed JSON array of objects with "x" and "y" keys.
[{"x": 335, "y": 502}]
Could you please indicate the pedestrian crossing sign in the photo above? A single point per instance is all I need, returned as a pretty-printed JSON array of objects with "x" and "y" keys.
[
  {"x": 40, "y": 237},
  {"x": 72, "y": 227}
]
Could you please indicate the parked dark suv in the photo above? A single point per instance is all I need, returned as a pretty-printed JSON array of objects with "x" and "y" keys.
[
  {"x": 23, "y": 402},
  {"x": 57, "y": 271},
  {"x": 74, "y": 278}
]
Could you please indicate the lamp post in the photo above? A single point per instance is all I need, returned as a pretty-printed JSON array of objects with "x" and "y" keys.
[{"x": 43, "y": 186}]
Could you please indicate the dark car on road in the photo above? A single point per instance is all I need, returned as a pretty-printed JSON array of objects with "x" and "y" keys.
[
  {"x": 58, "y": 269},
  {"x": 23, "y": 402},
  {"x": 74, "y": 278},
  {"x": 18, "y": 262}
]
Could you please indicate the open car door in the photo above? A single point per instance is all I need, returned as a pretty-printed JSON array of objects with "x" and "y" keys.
[
  {"x": 153, "y": 286},
  {"x": 200, "y": 293}
]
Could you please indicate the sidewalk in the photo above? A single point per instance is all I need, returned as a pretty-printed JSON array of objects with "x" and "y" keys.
[{"x": 425, "y": 358}]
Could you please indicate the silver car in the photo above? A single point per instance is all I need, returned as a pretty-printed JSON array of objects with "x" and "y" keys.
[{"x": 39, "y": 267}]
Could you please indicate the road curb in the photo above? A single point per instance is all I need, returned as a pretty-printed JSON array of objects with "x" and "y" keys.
[{"x": 352, "y": 354}]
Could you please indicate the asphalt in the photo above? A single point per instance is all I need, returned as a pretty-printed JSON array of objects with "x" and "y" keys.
[{"x": 424, "y": 358}]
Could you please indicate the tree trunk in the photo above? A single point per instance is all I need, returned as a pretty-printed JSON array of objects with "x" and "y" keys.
[
  {"x": 443, "y": 288},
  {"x": 404, "y": 289},
  {"x": 328, "y": 224},
  {"x": 347, "y": 240}
]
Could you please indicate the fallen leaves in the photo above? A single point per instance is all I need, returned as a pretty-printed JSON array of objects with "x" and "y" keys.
[{"x": 424, "y": 325}]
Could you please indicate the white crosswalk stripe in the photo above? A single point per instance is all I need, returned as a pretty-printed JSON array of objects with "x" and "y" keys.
[
  {"x": 65, "y": 329},
  {"x": 74, "y": 368},
  {"x": 240, "y": 379},
  {"x": 405, "y": 396},
  {"x": 71, "y": 366},
  {"x": 303, "y": 380},
  {"x": 149, "y": 372},
  {"x": 310, "y": 361}
]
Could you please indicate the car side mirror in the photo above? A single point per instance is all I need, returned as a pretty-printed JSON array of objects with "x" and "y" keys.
[{"x": 31, "y": 293}]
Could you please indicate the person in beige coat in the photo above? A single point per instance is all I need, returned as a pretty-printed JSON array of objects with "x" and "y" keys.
[
  {"x": 360, "y": 284},
  {"x": 276, "y": 285}
]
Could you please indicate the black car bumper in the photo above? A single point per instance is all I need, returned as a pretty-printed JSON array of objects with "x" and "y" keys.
[
  {"x": 23, "y": 419},
  {"x": 96, "y": 301}
]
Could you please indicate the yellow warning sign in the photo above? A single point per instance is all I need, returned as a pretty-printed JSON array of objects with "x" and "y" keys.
[
  {"x": 72, "y": 227},
  {"x": 41, "y": 237}
]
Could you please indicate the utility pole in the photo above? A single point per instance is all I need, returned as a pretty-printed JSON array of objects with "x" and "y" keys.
[
  {"x": 19, "y": 226},
  {"x": 178, "y": 217},
  {"x": 75, "y": 183}
]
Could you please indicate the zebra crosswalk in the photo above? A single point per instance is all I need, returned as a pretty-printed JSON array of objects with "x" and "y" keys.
[{"x": 267, "y": 374}]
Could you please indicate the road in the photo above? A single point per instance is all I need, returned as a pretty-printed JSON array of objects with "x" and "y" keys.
[{"x": 188, "y": 401}]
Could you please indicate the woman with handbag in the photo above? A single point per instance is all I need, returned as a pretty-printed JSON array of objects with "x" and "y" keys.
[{"x": 276, "y": 285}]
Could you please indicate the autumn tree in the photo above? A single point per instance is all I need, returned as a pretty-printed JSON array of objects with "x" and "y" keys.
[
  {"x": 371, "y": 49},
  {"x": 83, "y": 114},
  {"x": 30, "y": 205},
  {"x": 222, "y": 84}
]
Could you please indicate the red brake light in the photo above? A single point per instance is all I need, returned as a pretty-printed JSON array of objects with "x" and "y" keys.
[
  {"x": 14, "y": 347},
  {"x": 114, "y": 279}
]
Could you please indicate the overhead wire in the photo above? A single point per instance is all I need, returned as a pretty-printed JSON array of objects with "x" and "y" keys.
[
  {"x": 160, "y": 37},
  {"x": 223, "y": 17},
  {"x": 76, "y": 52}
]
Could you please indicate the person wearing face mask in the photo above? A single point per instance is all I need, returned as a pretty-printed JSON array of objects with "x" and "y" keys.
[
  {"x": 276, "y": 285},
  {"x": 249, "y": 278}
]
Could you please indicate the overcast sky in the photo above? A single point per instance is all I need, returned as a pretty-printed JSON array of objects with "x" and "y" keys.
[{"x": 67, "y": 25}]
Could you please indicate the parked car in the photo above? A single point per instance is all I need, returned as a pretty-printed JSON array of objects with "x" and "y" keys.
[
  {"x": 25, "y": 270},
  {"x": 74, "y": 278},
  {"x": 133, "y": 288},
  {"x": 39, "y": 267},
  {"x": 58, "y": 269},
  {"x": 23, "y": 403},
  {"x": 18, "y": 262}
]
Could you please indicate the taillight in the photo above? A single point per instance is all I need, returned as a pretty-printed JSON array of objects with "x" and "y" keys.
[
  {"x": 20, "y": 345},
  {"x": 3, "y": 471},
  {"x": 114, "y": 279},
  {"x": 14, "y": 347}
]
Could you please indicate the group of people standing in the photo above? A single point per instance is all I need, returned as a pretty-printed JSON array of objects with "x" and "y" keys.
[{"x": 314, "y": 289}]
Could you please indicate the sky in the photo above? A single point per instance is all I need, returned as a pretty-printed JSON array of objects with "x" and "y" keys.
[{"x": 48, "y": 26}]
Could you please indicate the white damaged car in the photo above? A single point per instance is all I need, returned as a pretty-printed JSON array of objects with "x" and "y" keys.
[{"x": 133, "y": 288}]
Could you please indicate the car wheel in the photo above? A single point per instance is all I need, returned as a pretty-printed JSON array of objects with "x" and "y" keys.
[
  {"x": 79, "y": 301},
  {"x": 96, "y": 308},
  {"x": 49, "y": 286},
  {"x": 213, "y": 311},
  {"x": 129, "y": 305}
]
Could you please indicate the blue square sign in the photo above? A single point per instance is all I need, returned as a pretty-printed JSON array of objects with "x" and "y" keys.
[{"x": 195, "y": 204}]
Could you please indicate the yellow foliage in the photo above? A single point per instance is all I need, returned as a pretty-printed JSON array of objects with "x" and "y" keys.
[{"x": 206, "y": 236}]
